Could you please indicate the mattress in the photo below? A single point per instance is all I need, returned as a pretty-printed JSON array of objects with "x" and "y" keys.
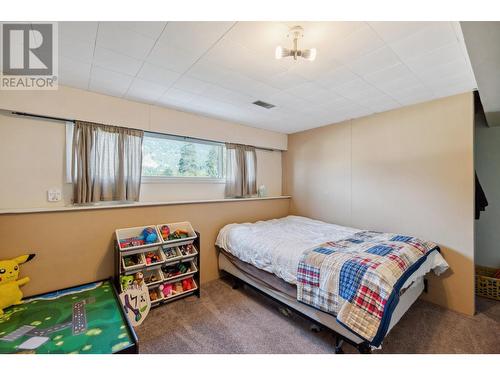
[{"x": 276, "y": 245}]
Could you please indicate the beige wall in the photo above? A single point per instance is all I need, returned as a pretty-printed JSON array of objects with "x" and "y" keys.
[
  {"x": 75, "y": 247},
  {"x": 78, "y": 104},
  {"x": 408, "y": 170},
  {"x": 32, "y": 160}
]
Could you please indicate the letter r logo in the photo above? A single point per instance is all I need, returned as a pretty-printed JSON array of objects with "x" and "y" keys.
[{"x": 27, "y": 49}]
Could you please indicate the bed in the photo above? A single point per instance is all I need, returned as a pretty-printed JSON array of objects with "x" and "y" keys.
[{"x": 266, "y": 255}]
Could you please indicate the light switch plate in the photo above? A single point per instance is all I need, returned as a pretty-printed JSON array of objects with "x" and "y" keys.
[{"x": 54, "y": 195}]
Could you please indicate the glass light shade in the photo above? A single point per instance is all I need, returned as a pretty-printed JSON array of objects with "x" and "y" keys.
[
  {"x": 282, "y": 52},
  {"x": 309, "y": 54}
]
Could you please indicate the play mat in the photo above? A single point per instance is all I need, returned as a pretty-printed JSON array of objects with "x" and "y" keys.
[{"x": 84, "y": 319}]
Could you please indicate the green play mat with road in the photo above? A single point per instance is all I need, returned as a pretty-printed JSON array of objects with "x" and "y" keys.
[{"x": 84, "y": 319}]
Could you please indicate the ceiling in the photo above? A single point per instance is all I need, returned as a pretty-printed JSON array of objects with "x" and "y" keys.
[{"x": 219, "y": 69}]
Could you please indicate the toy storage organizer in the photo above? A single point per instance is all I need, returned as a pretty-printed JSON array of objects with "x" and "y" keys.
[{"x": 171, "y": 261}]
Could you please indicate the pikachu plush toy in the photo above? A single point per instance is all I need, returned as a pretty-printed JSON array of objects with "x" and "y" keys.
[{"x": 10, "y": 293}]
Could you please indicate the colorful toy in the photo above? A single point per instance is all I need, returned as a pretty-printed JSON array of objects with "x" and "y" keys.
[
  {"x": 170, "y": 252},
  {"x": 153, "y": 295},
  {"x": 152, "y": 278},
  {"x": 126, "y": 281},
  {"x": 186, "y": 249},
  {"x": 149, "y": 235},
  {"x": 165, "y": 232},
  {"x": 178, "y": 287},
  {"x": 10, "y": 293},
  {"x": 175, "y": 270},
  {"x": 132, "y": 260},
  {"x": 178, "y": 234},
  {"x": 138, "y": 279},
  {"x": 167, "y": 289},
  {"x": 152, "y": 257}
]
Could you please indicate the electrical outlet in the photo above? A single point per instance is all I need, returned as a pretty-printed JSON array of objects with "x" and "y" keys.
[{"x": 54, "y": 195}]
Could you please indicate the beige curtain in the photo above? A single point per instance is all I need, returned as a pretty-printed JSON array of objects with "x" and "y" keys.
[
  {"x": 106, "y": 164},
  {"x": 241, "y": 171}
]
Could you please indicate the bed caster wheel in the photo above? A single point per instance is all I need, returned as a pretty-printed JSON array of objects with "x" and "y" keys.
[{"x": 315, "y": 328}]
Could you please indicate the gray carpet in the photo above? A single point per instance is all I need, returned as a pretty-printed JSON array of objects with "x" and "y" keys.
[{"x": 224, "y": 320}]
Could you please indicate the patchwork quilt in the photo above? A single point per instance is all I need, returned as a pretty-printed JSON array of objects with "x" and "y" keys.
[{"x": 359, "y": 278}]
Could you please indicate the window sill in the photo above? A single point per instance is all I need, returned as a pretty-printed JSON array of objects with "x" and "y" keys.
[
  {"x": 181, "y": 180},
  {"x": 115, "y": 205}
]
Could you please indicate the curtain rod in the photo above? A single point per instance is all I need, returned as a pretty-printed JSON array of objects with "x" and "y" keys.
[{"x": 25, "y": 114}]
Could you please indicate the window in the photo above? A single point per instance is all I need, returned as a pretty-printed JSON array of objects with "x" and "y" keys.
[{"x": 180, "y": 158}]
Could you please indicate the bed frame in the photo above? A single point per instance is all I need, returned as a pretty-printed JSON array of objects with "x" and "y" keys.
[{"x": 319, "y": 318}]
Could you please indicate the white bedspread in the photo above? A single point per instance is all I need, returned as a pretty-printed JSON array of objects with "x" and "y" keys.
[{"x": 277, "y": 245}]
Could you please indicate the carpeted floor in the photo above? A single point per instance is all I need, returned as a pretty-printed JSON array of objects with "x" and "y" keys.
[{"x": 224, "y": 320}]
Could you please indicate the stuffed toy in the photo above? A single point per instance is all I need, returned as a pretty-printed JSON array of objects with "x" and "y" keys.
[{"x": 10, "y": 293}]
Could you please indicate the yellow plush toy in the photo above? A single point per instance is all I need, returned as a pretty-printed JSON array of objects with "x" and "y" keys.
[{"x": 10, "y": 294}]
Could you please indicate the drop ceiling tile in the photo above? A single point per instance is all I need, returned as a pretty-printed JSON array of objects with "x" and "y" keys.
[
  {"x": 379, "y": 103},
  {"x": 355, "y": 90},
  {"x": 425, "y": 62},
  {"x": 310, "y": 91},
  {"x": 359, "y": 43},
  {"x": 191, "y": 85},
  {"x": 392, "y": 78},
  {"x": 240, "y": 59},
  {"x": 392, "y": 31},
  {"x": 313, "y": 70},
  {"x": 177, "y": 98},
  {"x": 75, "y": 49},
  {"x": 149, "y": 29},
  {"x": 379, "y": 59},
  {"x": 222, "y": 94},
  {"x": 173, "y": 59},
  {"x": 83, "y": 31},
  {"x": 117, "y": 62},
  {"x": 414, "y": 99},
  {"x": 145, "y": 91},
  {"x": 337, "y": 77},
  {"x": 208, "y": 72},
  {"x": 285, "y": 81},
  {"x": 123, "y": 40},
  {"x": 439, "y": 72},
  {"x": 397, "y": 90},
  {"x": 74, "y": 73},
  {"x": 158, "y": 75},
  {"x": 424, "y": 41},
  {"x": 454, "y": 88},
  {"x": 109, "y": 82},
  {"x": 285, "y": 100},
  {"x": 259, "y": 37},
  {"x": 193, "y": 36}
]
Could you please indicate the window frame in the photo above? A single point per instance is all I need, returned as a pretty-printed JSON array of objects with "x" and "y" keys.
[{"x": 187, "y": 179}]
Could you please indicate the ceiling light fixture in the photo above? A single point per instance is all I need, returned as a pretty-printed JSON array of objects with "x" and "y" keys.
[{"x": 297, "y": 32}]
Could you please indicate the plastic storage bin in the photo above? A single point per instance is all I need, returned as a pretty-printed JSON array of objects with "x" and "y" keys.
[
  {"x": 172, "y": 272},
  {"x": 183, "y": 226},
  {"x": 137, "y": 259},
  {"x": 127, "y": 238},
  {"x": 153, "y": 277}
]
